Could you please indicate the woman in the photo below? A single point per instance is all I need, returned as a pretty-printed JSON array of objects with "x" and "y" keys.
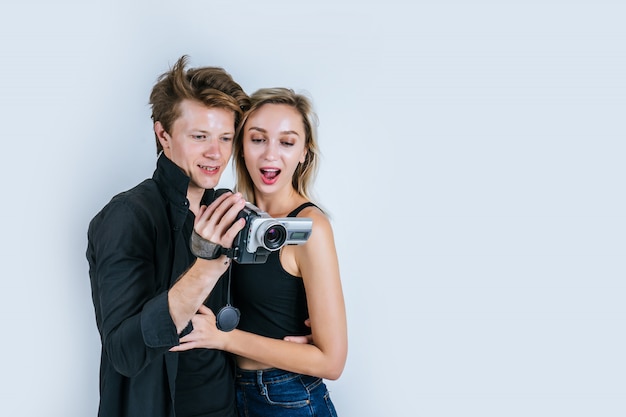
[{"x": 275, "y": 157}]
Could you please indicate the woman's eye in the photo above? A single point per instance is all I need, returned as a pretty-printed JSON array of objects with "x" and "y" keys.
[
  {"x": 256, "y": 140},
  {"x": 287, "y": 143}
]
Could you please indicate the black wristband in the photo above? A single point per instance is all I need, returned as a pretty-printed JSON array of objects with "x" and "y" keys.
[{"x": 205, "y": 249}]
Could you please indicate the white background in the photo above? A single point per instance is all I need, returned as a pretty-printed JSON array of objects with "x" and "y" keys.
[{"x": 473, "y": 164}]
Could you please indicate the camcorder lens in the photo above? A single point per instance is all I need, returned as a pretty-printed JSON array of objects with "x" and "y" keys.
[{"x": 275, "y": 237}]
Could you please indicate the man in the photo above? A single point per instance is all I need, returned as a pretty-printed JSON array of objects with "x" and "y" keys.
[{"x": 146, "y": 284}]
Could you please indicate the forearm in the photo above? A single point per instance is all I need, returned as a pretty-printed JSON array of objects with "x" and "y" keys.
[
  {"x": 192, "y": 288},
  {"x": 305, "y": 359}
]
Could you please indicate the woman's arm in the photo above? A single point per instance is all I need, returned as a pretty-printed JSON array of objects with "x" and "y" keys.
[{"x": 326, "y": 357}]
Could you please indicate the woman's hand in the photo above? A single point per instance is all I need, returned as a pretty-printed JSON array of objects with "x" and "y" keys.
[{"x": 205, "y": 333}]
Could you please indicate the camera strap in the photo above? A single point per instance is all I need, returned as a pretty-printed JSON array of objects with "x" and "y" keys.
[
  {"x": 228, "y": 316},
  {"x": 205, "y": 249}
]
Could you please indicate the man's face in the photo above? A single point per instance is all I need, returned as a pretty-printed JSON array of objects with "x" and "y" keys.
[{"x": 200, "y": 143}]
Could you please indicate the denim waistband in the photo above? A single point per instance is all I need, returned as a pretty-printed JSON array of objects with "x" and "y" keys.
[{"x": 264, "y": 375}]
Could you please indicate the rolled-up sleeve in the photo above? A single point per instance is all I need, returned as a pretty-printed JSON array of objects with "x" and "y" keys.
[
  {"x": 156, "y": 323},
  {"x": 129, "y": 289}
]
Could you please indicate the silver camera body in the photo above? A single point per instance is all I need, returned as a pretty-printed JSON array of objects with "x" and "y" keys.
[{"x": 264, "y": 234}]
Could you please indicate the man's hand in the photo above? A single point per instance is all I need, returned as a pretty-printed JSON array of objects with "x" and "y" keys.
[
  {"x": 308, "y": 339},
  {"x": 216, "y": 222}
]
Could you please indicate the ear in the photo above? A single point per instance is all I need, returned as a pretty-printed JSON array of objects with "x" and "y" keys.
[
  {"x": 303, "y": 157},
  {"x": 162, "y": 135}
]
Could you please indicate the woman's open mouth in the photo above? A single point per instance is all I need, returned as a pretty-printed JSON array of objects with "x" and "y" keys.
[{"x": 270, "y": 175}]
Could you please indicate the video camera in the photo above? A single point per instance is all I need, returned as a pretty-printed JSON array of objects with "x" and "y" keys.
[{"x": 264, "y": 234}]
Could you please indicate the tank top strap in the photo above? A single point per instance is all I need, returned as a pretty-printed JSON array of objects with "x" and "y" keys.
[{"x": 295, "y": 212}]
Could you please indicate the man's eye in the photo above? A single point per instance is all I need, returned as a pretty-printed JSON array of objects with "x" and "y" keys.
[{"x": 199, "y": 137}]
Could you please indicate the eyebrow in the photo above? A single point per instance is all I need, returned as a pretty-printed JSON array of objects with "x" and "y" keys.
[
  {"x": 284, "y": 132},
  {"x": 206, "y": 132}
]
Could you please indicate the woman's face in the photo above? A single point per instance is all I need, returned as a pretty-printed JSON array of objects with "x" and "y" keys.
[{"x": 273, "y": 146}]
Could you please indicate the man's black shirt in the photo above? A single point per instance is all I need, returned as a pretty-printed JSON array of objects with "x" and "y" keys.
[{"x": 138, "y": 245}]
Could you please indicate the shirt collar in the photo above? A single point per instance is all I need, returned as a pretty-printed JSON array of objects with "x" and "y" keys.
[{"x": 174, "y": 183}]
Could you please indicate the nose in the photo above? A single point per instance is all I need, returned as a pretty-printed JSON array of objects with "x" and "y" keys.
[
  {"x": 271, "y": 151},
  {"x": 212, "y": 149}
]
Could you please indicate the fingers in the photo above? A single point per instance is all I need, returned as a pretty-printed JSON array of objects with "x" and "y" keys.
[
  {"x": 205, "y": 310},
  {"x": 217, "y": 202},
  {"x": 193, "y": 340},
  {"x": 184, "y": 346},
  {"x": 187, "y": 342},
  {"x": 231, "y": 232},
  {"x": 225, "y": 208},
  {"x": 303, "y": 340},
  {"x": 308, "y": 339},
  {"x": 216, "y": 222}
]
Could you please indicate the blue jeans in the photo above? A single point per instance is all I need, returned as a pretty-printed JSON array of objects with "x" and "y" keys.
[{"x": 276, "y": 393}]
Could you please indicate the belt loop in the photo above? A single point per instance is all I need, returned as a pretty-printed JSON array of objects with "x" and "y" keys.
[{"x": 259, "y": 381}]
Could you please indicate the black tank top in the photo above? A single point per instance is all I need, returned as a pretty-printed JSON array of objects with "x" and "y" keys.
[{"x": 272, "y": 302}]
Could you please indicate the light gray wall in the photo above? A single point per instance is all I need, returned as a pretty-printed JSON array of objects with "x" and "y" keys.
[{"x": 473, "y": 165}]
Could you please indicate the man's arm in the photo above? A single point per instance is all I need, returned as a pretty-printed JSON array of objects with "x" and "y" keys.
[
  {"x": 129, "y": 299},
  {"x": 138, "y": 318},
  {"x": 214, "y": 223}
]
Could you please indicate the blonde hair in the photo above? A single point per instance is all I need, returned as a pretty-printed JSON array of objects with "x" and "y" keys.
[{"x": 305, "y": 173}]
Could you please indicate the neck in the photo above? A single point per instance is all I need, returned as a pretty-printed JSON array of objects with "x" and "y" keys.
[
  {"x": 278, "y": 204},
  {"x": 194, "y": 195}
]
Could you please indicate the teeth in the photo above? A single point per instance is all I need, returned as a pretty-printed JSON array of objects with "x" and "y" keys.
[{"x": 270, "y": 173}]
